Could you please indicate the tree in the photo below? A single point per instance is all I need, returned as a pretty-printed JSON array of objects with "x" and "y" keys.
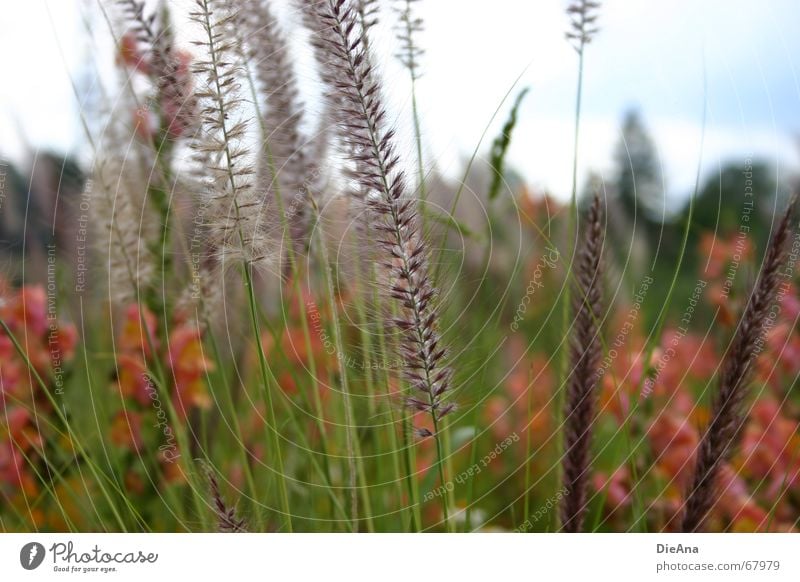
[
  {"x": 639, "y": 181},
  {"x": 735, "y": 190}
]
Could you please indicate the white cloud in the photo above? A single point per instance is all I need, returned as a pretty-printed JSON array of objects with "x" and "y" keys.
[{"x": 653, "y": 55}]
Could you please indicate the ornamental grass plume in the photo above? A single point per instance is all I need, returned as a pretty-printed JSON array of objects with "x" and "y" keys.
[
  {"x": 408, "y": 27},
  {"x": 585, "y": 356},
  {"x": 235, "y": 222},
  {"x": 727, "y": 413},
  {"x": 583, "y": 17},
  {"x": 227, "y": 520},
  {"x": 122, "y": 221},
  {"x": 151, "y": 40},
  {"x": 384, "y": 183},
  {"x": 367, "y": 17},
  {"x": 356, "y": 89},
  {"x": 287, "y": 162}
]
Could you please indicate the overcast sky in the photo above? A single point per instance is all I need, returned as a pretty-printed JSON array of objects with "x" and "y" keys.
[{"x": 651, "y": 55}]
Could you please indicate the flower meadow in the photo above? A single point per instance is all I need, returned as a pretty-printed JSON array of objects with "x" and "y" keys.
[{"x": 258, "y": 310}]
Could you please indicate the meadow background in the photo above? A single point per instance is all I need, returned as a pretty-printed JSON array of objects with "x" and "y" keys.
[{"x": 151, "y": 382}]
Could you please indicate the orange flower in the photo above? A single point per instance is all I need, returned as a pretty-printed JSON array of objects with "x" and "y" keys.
[
  {"x": 191, "y": 394},
  {"x": 132, "y": 379},
  {"x": 674, "y": 441},
  {"x": 189, "y": 366},
  {"x": 185, "y": 352},
  {"x": 620, "y": 383},
  {"x": 133, "y": 482},
  {"x": 173, "y": 473},
  {"x": 771, "y": 448},
  {"x": 11, "y": 372},
  {"x": 130, "y": 55},
  {"x": 497, "y": 415},
  {"x": 736, "y": 502},
  {"x": 721, "y": 252},
  {"x": 126, "y": 430},
  {"x": 133, "y": 337},
  {"x": 27, "y": 309},
  {"x": 537, "y": 207},
  {"x": 718, "y": 298},
  {"x": 616, "y": 487}
]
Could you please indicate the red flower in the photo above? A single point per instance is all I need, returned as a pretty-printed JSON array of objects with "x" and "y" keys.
[
  {"x": 129, "y": 53},
  {"x": 189, "y": 366},
  {"x": 27, "y": 310},
  {"x": 133, "y": 379},
  {"x": 134, "y": 338}
]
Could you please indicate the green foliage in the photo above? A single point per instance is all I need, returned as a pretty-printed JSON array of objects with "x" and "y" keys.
[{"x": 500, "y": 147}]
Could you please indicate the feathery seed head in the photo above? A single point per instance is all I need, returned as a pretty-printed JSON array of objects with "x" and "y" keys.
[
  {"x": 727, "y": 414},
  {"x": 125, "y": 224},
  {"x": 288, "y": 163},
  {"x": 407, "y": 28},
  {"x": 355, "y": 92},
  {"x": 227, "y": 520},
  {"x": 585, "y": 356},
  {"x": 583, "y": 18},
  {"x": 153, "y": 46},
  {"x": 236, "y": 224}
]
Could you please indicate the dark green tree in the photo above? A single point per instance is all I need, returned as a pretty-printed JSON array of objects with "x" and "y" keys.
[
  {"x": 737, "y": 189},
  {"x": 638, "y": 177}
]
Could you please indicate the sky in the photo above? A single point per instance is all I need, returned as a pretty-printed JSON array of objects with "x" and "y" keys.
[{"x": 670, "y": 59}]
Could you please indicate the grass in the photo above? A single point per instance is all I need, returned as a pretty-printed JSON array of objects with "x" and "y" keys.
[{"x": 288, "y": 400}]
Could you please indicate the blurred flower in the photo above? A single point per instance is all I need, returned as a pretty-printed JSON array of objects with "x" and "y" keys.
[
  {"x": 526, "y": 402},
  {"x": 187, "y": 358},
  {"x": 736, "y": 502},
  {"x": 721, "y": 252},
  {"x": 25, "y": 312},
  {"x": 177, "y": 107},
  {"x": 674, "y": 442},
  {"x": 129, "y": 53},
  {"x": 616, "y": 488},
  {"x": 133, "y": 337},
  {"x": 48, "y": 344},
  {"x": 126, "y": 430},
  {"x": 132, "y": 378},
  {"x": 770, "y": 449}
]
